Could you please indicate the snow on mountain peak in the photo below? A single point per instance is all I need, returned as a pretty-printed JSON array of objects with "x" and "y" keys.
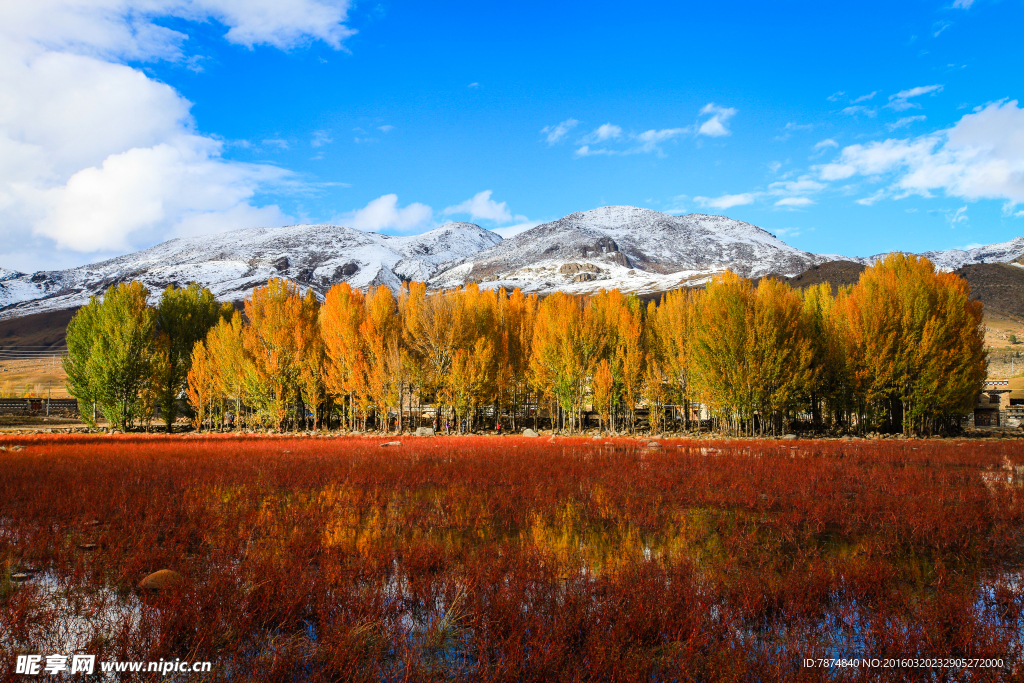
[
  {"x": 626, "y": 247},
  {"x": 232, "y": 263}
]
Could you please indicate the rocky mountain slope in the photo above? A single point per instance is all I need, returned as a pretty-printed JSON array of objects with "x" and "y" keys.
[
  {"x": 628, "y": 248},
  {"x": 952, "y": 259},
  {"x": 625, "y": 247},
  {"x": 232, "y": 263}
]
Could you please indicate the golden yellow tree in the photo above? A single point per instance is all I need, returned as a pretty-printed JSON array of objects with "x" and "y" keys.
[
  {"x": 201, "y": 389},
  {"x": 272, "y": 347},
  {"x": 341, "y": 316},
  {"x": 311, "y": 356},
  {"x": 917, "y": 342}
]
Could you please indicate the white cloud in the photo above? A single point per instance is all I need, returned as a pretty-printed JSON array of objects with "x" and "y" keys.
[
  {"x": 834, "y": 97},
  {"x": 387, "y": 128},
  {"x": 132, "y": 192},
  {"x": 963, "y": 4},
  {"x": 868, "y": 201},
  {"x": 384, "y": 213},
  {"x": 482, "y": 207},
  {"x": 899, "y": 101},
  {"x": 825, "y": 144},
  {"x": 861, "y": 109},
  {"x": 865, "y": 98},
  {"x": 556, "y": 133},
  {"x": 803, "y": 185},
  {"x": 585, "y": 151},
  {"x": 604, "y": 132},
  {"x": 277, "y": 142},
  {"x": 95, "y": 155},
  {"x": 716, "y": 125},
  {"x": 727, "y": 201},
  {"x": 959, "y": 216},
  {"x": 905, "y": 121},
  {"x": 980, "y": 157},
  {"x": 794, "y": 202},
  {"x": 474, "y": 84},
  {"x": 321, "y": 138},
  {"x": 650, "y": 140},
  {"x": 792, "y": 127}
]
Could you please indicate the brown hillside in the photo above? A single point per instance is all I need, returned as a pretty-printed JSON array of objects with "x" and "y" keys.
[
  {"x": 999, "y": 286},
  {"x": 44, "y": 330},
  {"x": 836, "y": 273}
]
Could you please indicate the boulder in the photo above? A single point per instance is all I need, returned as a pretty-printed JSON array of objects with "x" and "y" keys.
[
  {"x": 424, "y": 431},
  {"x": 391, "y": 443},
  {"x": 789, "y": 437},
  {"x": 530, "y": 432},
  {"x": 162, "y": 580}
]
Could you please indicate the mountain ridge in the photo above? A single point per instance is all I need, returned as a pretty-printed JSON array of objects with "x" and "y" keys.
[{"x": 626, "y": 247}]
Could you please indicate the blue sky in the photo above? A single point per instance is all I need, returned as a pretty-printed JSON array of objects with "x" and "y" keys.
[{"x": 850, "y": 128}]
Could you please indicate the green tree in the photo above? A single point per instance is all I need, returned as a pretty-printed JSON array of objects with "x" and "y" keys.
[
  {"x": 81, "y": 335},
  {"x": 183, "y": 317},
  {"x": 110, "y": 353}
]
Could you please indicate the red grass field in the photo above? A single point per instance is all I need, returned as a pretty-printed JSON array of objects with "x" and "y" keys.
[{"x": 514, "y": 559}]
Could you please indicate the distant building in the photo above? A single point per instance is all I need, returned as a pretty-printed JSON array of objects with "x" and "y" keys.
[{"x": 1000, "y": 404}]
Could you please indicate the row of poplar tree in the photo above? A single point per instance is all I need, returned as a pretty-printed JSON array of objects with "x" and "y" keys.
[{"x": 901, "y": 350}]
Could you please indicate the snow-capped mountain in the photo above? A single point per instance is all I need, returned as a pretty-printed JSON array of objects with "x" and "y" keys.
[
  {"x": 624, "y": 247},
  {"x": 629, "y": 248},
  {"x": 231, "y": 264},
  {"x": 951, "y": 259}
]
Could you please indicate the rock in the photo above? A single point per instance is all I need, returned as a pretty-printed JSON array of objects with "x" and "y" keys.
[
  {"x": 87, "y": 546},
  {"x": 789, "y": 437},
  {"x": 391, "y": 443},
  {"x": 424, "y": 431},
  {"x": 530, "y": 432},
  {"x": 20, "y": 576},
  {"x": 161, "y": 580},
  {"x": 654, "y": 444}
]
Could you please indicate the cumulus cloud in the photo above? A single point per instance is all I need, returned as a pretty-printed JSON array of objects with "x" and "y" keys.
[
  {"x": 981, "y": 157},
  {"x": 383, "y": 213},
  {"x": 825, "y": 144},
  {"x": 482, "y": 207},
  {"x": 555, "y": 133},
  {"x": 727, "y": 201},
  {"x": 716, "y": 125},
  {"x": 96, "y": 155}
]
